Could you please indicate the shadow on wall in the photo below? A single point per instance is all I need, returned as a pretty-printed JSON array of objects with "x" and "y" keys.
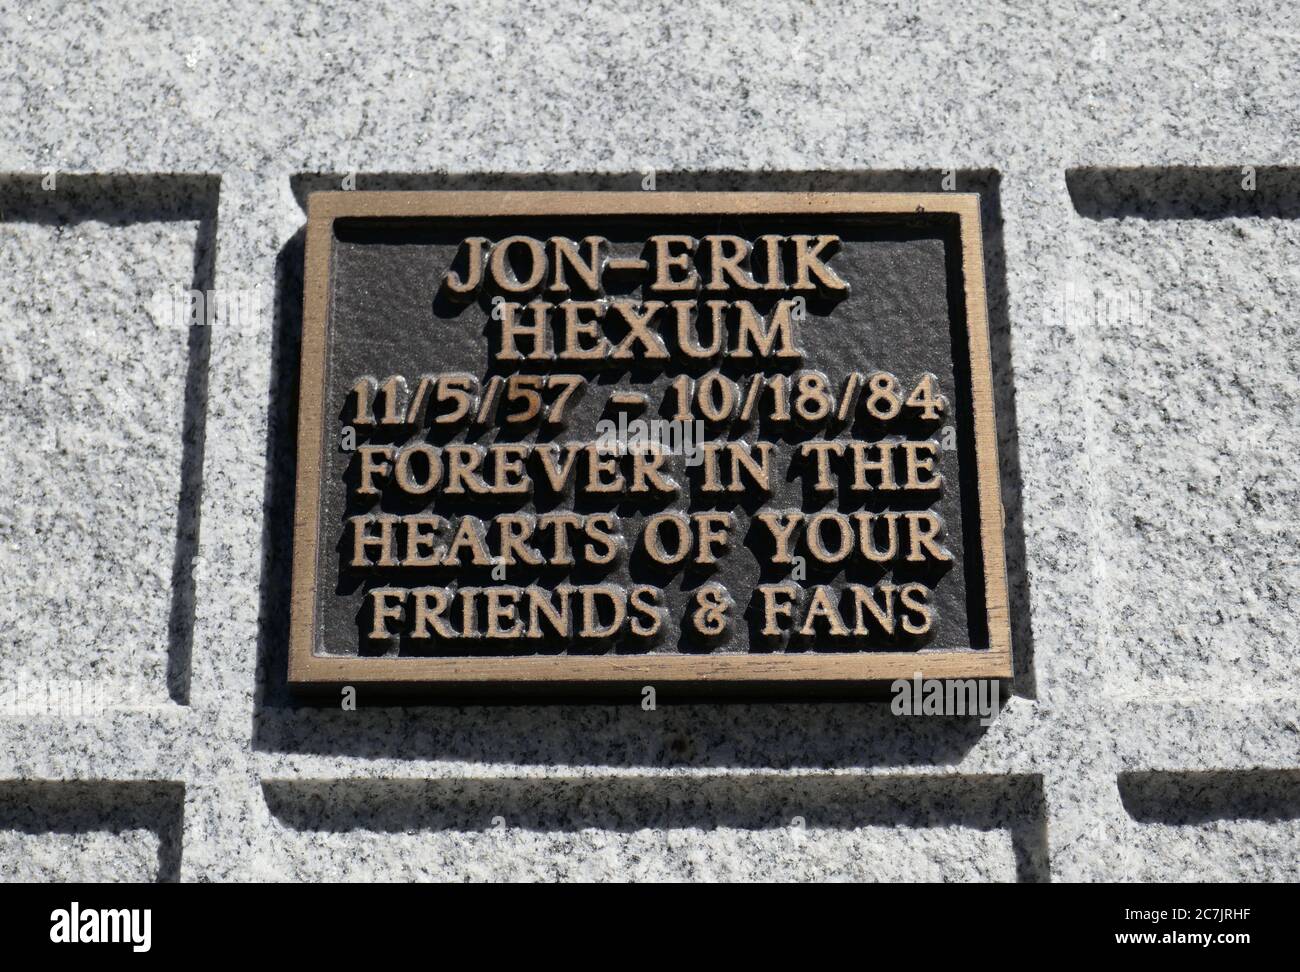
[
  {"x": 767, "y": 734},
  {"x": 626, "y": 805},
  {"x": 122, "y": 200},
  {"x": 1183, "y": 798},
  {"x": 89, "y": 806},
  {"x": 1185, "y": 192}
]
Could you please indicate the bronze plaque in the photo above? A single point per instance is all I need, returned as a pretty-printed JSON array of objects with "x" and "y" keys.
[{"x": 599, "y": 441}]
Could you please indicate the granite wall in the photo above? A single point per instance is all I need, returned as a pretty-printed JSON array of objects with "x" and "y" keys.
[{"x": 1141, "y": 189}]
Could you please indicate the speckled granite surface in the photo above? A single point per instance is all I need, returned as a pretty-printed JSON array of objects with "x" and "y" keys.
[{"x": 1144, "y": 308}]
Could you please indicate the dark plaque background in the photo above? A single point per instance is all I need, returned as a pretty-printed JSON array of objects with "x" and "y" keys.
[{"x": 904, "y": 314}]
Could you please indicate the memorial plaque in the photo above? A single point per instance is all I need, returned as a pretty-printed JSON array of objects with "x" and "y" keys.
[{"x": 597, "y": 441}]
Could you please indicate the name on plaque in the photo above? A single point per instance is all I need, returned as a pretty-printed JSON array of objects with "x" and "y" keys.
[{"x": 598, "y": 441}]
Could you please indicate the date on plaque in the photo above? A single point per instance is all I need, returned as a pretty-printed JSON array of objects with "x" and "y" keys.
[{"x": 578, "y": 442}]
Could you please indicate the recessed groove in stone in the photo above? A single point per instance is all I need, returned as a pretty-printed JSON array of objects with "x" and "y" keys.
[
  {"x": 1220, "y": 825},
  {"x": 1190, "y": 798},
  {"x": 90, "y": 830},
  {"x": 1185, "y": 192},
  {"x": 810, "y": 827}
]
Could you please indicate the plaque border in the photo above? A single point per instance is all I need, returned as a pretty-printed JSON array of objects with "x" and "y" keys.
[{"x": 605, "y": 673}]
